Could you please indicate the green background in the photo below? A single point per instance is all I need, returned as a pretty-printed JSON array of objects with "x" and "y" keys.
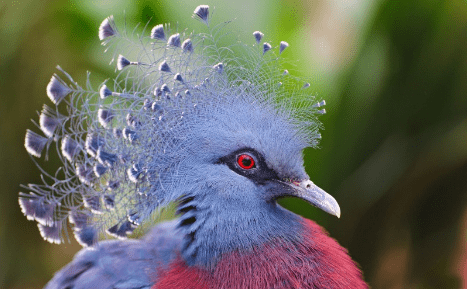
[{"x": 394, "y": 151}]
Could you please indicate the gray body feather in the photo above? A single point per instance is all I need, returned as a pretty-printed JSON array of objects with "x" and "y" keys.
[{"x": 121, "y": 264}]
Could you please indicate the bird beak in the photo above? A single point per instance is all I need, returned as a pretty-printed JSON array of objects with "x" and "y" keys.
[{"x": 317, "y": 197}]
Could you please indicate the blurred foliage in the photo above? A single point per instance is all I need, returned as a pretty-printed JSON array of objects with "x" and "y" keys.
[{"x": 394, "y": 152}]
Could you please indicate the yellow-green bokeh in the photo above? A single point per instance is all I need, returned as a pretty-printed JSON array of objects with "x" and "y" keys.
[{"x": 394, "y": 151}]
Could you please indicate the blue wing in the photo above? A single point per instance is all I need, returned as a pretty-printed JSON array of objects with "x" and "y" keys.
[{"x": 121, "y": 263}]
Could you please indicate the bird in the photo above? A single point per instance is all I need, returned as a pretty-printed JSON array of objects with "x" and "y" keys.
[{"x": 218, "y": 132}]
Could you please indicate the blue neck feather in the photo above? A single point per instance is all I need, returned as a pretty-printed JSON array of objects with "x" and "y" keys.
[{"x": 211, "y": 231}]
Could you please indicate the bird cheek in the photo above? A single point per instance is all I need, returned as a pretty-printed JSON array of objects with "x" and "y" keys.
[{"x": 274, "y": 190}]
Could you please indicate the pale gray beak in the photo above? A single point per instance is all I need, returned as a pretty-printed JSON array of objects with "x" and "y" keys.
[{"x": 317, "y": 197}]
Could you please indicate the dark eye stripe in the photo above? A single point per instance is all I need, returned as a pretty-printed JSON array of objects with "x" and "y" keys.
[{"x": 249, "y": 163}]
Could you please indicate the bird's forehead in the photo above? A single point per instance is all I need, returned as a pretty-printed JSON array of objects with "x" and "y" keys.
[{"x": 263, "y": 128}]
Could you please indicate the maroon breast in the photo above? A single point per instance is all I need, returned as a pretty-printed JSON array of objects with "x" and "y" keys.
[{"x": 313, "y": 260}]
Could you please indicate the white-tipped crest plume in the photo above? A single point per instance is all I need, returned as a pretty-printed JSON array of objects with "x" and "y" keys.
[{"x": 120, "y": 144}]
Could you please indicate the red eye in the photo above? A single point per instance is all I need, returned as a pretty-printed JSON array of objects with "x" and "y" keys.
[{"x": 246, "y": 161}]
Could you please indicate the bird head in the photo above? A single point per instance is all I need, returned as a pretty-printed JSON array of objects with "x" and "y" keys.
[
  {"x": 187, "y": 121},
  {"x": 247, "y": 153}
]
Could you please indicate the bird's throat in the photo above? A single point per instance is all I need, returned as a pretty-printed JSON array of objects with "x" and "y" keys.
[{"x": 210, "y": 235}]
